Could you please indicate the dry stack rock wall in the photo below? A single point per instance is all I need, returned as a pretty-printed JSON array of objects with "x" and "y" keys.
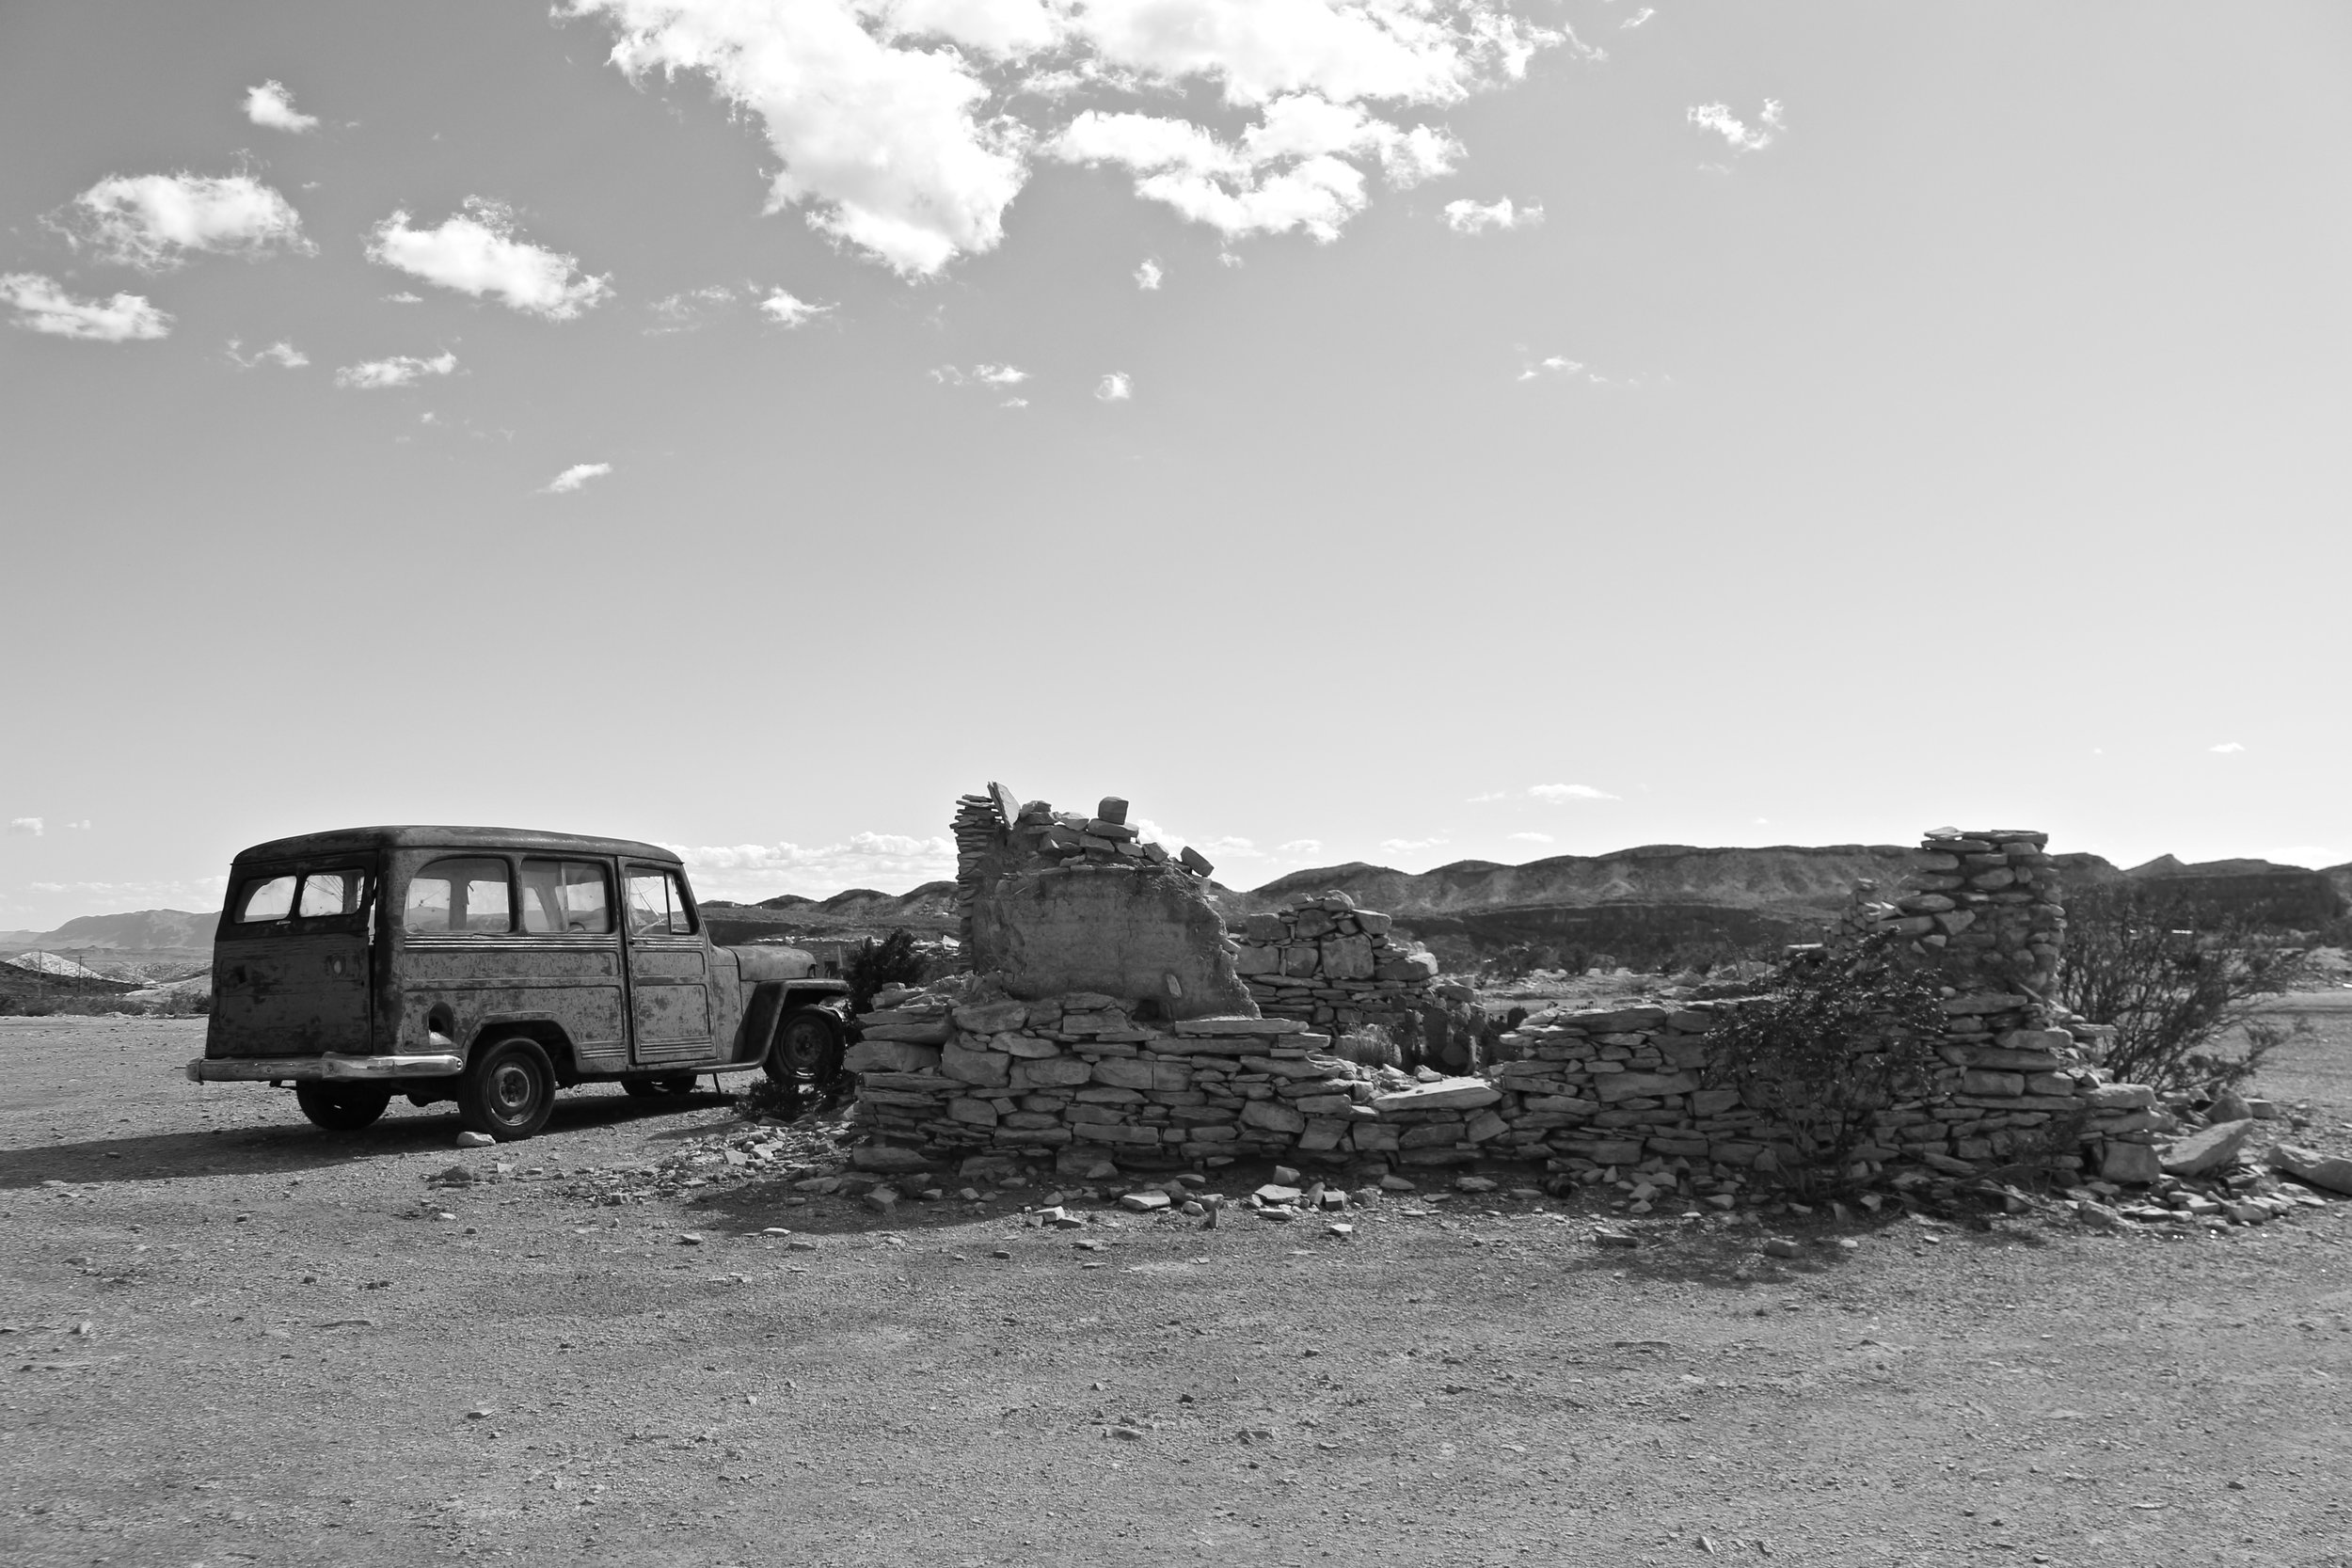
[
  {"x": 1330, "y": 964},
  {"x": 974, "y": 1066}
]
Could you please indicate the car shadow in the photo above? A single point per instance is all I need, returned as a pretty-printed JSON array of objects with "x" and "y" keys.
[{"x": 264, "y": 1148}]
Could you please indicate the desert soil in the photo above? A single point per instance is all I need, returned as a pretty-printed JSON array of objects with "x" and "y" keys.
[{"x": 231, "y": 1338}]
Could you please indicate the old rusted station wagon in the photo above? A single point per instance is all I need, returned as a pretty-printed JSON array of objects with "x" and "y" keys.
[{"x": 491, "y": 966}]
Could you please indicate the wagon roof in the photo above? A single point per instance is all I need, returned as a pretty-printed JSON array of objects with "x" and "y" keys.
[{"x": 339, "y": 841}]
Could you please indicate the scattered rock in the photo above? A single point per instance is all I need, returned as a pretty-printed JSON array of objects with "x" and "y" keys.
[
  {"x": 475, "y": 1140},
  {"x": 1342, "y": 1230},
  {"x": 887, "y": 1159},
  {"x": 691, "y": 1239},
  {"x": 1614, "y": 1238},
  {"x": 1474, "y": 1184},
  {"x": 1144, "y": 1203},
  {"x": 1781, "y": 1246},
  {"x": 2215, "y": 1147}
]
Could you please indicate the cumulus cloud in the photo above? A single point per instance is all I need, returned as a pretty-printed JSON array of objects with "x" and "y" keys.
[
  {"x": 1469, "y": 217},
  {"x": 43, "y": 304},
  {"x": 1637, "y": 17},
  {"x": 32, "y": 825},
  {"x": 402, "y": 370},
  {"x": 574, "y": 477},
  {"x": 894, "y": 862},
  {"x": 887, "y": 118},
  {"x": 281, "y": 353},
  {"x": 156, "y": 221},
  {"x": 1115, "y": 388},
  {"x": 785, "y": 310},
  {"x": 1302, "y": 846},
  {"x": 1719, "y": 118},
  {"x": 1148, "y": 276},
  {"x": 2226, "y": 747},
  {"x": 404, "y": 297},
  {"x": 82, "y": 825},
  {"x": 1490, "y": 795},
  {"x": 1406, "y": 846},
  {"x": 475, "y": 252},
  {"x": 1534, "y": 838},
  {"x": 1557, "y": 793},
  {"x": 1232, "y": 849},
  {"x": 270, "y": 105}
]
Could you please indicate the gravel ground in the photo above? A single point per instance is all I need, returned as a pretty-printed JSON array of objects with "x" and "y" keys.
[{"x": 232, "y": 1338}]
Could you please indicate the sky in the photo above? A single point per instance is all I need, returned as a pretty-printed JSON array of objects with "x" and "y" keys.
[{"x": 1408, "y": 432}]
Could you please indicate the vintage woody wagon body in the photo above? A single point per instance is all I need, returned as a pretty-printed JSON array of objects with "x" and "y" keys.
[{"x": 491, "y": 966}]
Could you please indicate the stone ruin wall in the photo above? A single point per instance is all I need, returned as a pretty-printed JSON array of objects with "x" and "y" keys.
[
  {"x": 979, "y": 1066},
  {"x": 1327, "y": 963}
]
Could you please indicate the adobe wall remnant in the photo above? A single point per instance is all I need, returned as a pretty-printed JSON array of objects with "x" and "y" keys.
[
  {"x": 1058, "y": 902},
  {"x": 1325, "y": 962},
  {"x": 977, "y": 1065}
]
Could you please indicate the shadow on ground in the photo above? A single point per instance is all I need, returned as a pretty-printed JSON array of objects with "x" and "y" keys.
[{"x": 264, "y": 1148}]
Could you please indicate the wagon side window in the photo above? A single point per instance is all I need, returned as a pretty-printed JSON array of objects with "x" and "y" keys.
[
  {"x": 464, "y": 897},
  {"x": 270, "y": 898},
  {"x": 657, "y": 905},
  {"x": 568, "y": 896}
]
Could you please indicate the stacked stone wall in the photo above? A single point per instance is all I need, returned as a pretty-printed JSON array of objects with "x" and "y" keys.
[
  {"x": 1327, "y": 963},
  {"x": 966, "y": 1069}
]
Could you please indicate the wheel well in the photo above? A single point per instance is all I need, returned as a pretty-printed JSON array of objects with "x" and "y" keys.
[{"x": 550, "y": 1036}]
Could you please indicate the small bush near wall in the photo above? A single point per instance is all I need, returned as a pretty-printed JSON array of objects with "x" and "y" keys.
[{"x": 1841, "y": 1035}]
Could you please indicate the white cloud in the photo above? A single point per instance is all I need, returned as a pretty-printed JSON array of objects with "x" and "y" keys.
[
  {"x": 1234, "y": 849},
  {"x": 2226, "y": 748},
  {"x": 1148, "y": 275},
  {"x": 1115, "y": 388},
  {"x": 1719, "y": 118},
  {"x": 687, "y": 310},
  {"x": 1638, "y": 17},
  {"x": 198, "y": 895},
  {"x": 1490, "y": 795},
  {"x": 404, "y": 297},
  {"x": 270, "y": 105},
  {"x": 882, "y": 144},
  {"x": 1554, "y": 365},
  {"x": 476, "y": 252},
  {"x": 1534, "y": 838},
  {"x": 1302, "y": 846},
  {"x": 1469, "y": 217},
  {"x": 574, "y": 477},
  {"x": 1406, "y": 846},
  {"x": 753, "y": 871},
  {"x": 892, "y": 141},
  {"x": 372, "y": 376},
  {"x": 81, "y": 826},
  {"x": 281, "y": 353},
  {"x": 785, "y": 310},
  {"x": 44, "y": 305},
  {"x": 1557, "y": 793},
  {"x": 153, "y": 221},
  {"x": 32, "y": 825},
  {"x": 980, "y": 375}
]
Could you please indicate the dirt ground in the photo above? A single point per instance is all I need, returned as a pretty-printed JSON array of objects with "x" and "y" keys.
[{"x": 231, "y": 1338}]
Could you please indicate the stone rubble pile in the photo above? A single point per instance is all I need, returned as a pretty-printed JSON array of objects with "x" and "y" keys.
[{"x": 1327, "y": 963}]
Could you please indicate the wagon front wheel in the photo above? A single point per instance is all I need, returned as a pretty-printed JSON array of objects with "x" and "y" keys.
[
  {"x": 808, "y": 1044},
  {"x": 507, "y": 1090}
]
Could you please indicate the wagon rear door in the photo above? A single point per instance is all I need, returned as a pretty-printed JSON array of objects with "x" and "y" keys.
[{"x": 290, "y": 970}]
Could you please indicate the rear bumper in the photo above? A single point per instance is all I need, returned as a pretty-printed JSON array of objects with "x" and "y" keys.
[{"x": 329, "y": 1068}]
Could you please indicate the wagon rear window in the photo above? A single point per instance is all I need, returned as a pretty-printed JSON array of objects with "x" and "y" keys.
[
  {"x": 270, "y": 898},
  {"x": 331, "y": 893},
  {"x": 466, "y": 896}
]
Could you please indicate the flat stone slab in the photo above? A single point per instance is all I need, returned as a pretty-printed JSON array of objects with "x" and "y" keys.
[
  {"x": 2313, "y": 1168},
  {"x": 2210, "y": 1149},
  {"x": 1446, "y": 1094},
  {"x": 1241, "y": 1026}
]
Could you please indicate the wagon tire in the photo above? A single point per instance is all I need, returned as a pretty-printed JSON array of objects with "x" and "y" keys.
[
  {"x": 808, "y": 1044},
  {"x": 341, "y": 1108},
  {"x": 507, "y": 1090}
]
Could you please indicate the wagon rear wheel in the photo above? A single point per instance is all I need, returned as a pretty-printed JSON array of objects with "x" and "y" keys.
[
  {"x": 343, "y": 1107},
  {"x": 507, "y": 1090}
]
